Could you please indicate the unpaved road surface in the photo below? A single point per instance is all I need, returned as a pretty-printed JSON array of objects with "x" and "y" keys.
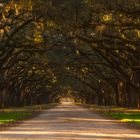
[{"x": 69, "y": 122}]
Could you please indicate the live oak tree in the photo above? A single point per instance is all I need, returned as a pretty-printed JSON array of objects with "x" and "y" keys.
[{"x": 88, "y": 47}]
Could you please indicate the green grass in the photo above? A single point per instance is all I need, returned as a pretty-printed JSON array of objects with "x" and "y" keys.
[
  {"x": 14, "y": 114},
  {"x": 126, "y": 117},
  {"x": 6, "y": 117}
]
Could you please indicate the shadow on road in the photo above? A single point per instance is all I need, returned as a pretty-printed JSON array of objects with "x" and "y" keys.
[{"x": 69, "y": 122}]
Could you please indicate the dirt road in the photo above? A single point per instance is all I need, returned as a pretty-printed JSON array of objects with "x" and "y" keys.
[{"x": 69, "y": 122}]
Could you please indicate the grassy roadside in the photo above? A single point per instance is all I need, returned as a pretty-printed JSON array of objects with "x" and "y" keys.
[
  {"x": 11, "y": 115},
  {"x": 127, "y": 115}
]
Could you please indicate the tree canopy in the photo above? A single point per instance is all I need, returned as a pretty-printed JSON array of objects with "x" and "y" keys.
[{"x": 85, "y": 49}]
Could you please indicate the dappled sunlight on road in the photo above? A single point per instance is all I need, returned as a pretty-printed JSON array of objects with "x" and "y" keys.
[
  {"x": 76, "y": 134},
  {"x": 69, "y": 122}
]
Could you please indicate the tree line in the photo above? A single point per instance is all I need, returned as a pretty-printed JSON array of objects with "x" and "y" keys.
[{"x": 88, "y": 46}]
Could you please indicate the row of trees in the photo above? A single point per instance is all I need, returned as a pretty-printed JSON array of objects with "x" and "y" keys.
[
  {"x": 24, "y": 75},
  {"x": 110, "y": 63},
  {"x": 88, "y": 46}
]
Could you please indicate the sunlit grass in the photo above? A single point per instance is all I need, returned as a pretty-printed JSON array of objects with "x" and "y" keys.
[
  {"x": 131, "y": 120},
  {"x": 12, "y": 116},
  {"x": 126, "y": 117}
]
